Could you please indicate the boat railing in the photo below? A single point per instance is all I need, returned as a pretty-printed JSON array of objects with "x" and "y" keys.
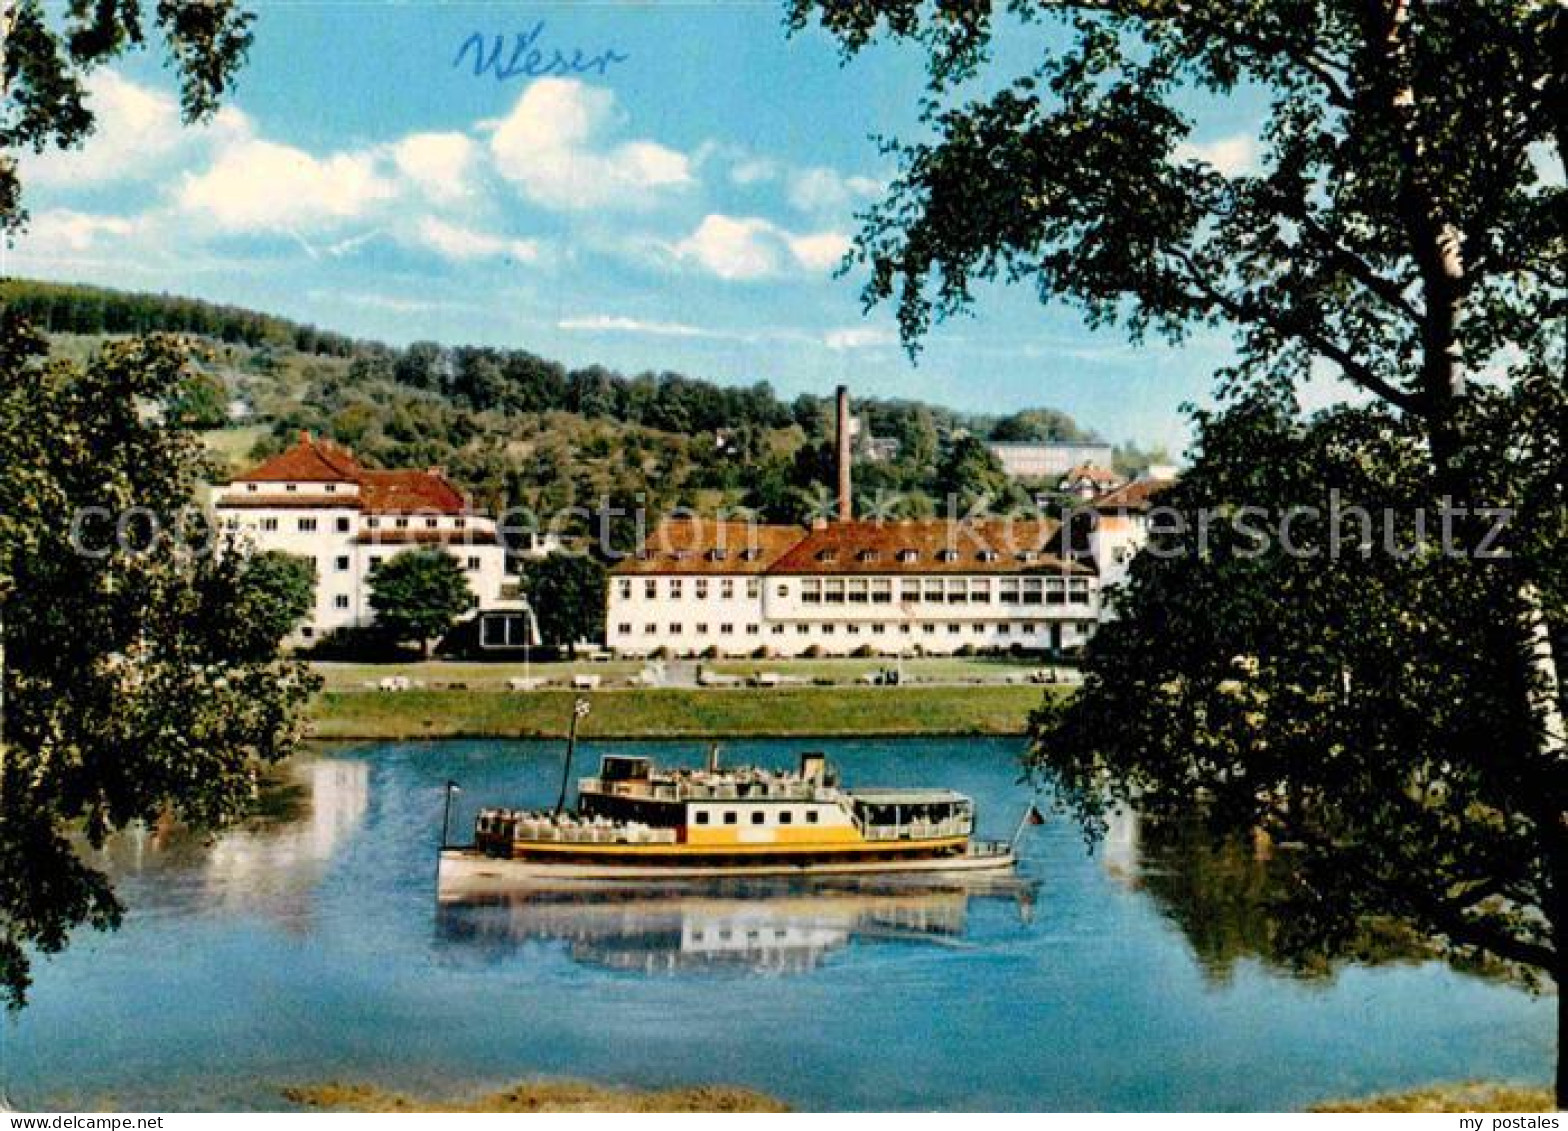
[
  {"x": 920, "y": 830},
  {"x": 698, "y": 790}
]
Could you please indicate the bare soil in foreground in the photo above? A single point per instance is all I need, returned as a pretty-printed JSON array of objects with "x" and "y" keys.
[
  {"x": 571, "y": 1095},
  {"x": 1452, "y": 1098},
  {"x": 548, "y": 1095}
]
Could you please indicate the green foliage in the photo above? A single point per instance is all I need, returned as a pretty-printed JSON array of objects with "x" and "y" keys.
[
  {"x": 567, "y": 593},
  {"x": 969, "y": 471},
  {"x": 278, "y": 591},
  {"x": 201, "y": 401},
  {"x": 141, "y": 679},
  {"x": 46, "y": 62},
  {"x": 1361, "y": 694},
  {"x": 1037, "y": 424},
  {"x": 419, "y": 594}
]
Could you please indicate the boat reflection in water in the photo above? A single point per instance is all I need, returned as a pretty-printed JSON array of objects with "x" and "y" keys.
[{"x": 751, "y": 926}]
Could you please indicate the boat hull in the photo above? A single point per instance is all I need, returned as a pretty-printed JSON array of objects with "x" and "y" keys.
[{"x": 464, "y": 871}]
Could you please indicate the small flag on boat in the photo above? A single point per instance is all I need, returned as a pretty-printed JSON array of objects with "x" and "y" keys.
[
  {"x": 453, "y": 786},
  {"x": 582, "y": 708}
]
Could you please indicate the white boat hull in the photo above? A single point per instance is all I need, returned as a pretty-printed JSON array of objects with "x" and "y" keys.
[{"x": 464, "y": 871}]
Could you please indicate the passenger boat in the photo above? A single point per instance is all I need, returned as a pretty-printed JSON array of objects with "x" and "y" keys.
[{"x": 634, "y": 821}]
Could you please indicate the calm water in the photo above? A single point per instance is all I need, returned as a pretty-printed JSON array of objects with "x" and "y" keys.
[{"x": 310, "y": 947}]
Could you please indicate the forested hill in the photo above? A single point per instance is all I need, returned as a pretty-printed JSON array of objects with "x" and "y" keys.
[{"x": 519, "y": 429}]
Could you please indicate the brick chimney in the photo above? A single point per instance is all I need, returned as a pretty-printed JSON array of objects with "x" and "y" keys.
[{"x": 846, "y": 504}]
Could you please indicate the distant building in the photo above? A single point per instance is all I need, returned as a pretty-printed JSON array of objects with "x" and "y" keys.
[
  {"x": 926, "y": 586},
  {"x": 317, "y": 501},
  {"x": 1046, "y": 460},
  {"x": 1087, "y": 480}
]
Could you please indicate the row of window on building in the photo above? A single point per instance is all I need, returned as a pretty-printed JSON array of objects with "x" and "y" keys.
[
  {"x": 948, "y": 590},
  {"x": 344, "y": 525},
  {"x": 880, "y": 590},
  {"x": 954, "y": 628},
  {"x": 701, "y": 588},
  {"x": 342, "y": 563}
]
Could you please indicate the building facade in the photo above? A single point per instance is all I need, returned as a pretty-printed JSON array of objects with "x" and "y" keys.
[
  {"x": 888, "y": 588},
  {"x": 317, "y": 501},
  {"x": 1046, "y": 460}
]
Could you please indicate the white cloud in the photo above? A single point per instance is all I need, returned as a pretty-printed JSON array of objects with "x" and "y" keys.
[
  {"x": 857, "y": 337},
  {"x": 440, "y": 165},
  {"x": 257, "y": 185},
  {"x": 753, "y": 171},
  {"x": 138, "y": 131},
  {"x": 734, "y": 247},
  {"x": 820, "y": 251},
  {"x": 552, "y": 147},
  {"x": 824, "y": 191},
  {"x": 75, "y": 231},
  {"x": 453, "y": 241},
  {"x": 619, "y": 324},
  {"x": 1231, "y": 156},
  {"x": 749, "y": 247}
]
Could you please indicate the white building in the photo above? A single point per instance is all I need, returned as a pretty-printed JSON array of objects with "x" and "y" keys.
[
  {"x": 890, "y": 588},
  {"x": 315, "y": 500},
  {"x": 1046, "y": 460}
]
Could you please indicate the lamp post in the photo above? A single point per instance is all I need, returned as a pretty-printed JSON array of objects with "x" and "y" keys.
[{"x": 580, "y": 711}]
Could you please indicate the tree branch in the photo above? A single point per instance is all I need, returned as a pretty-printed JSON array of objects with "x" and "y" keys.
[{"x": 1244, "y": 311}]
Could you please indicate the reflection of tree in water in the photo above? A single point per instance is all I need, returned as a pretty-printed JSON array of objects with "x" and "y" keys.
[{"x": 1236, "y": 900}]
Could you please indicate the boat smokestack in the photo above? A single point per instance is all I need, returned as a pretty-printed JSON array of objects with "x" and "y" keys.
[{"x": 846, "y": 505}]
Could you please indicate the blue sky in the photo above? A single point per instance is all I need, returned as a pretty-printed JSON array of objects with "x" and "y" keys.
[{"x": 682, "y": 211}]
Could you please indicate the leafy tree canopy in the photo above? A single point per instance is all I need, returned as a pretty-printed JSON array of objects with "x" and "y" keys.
[
  {"x": 140, "y": 668},
  {"x": 567, "y": 593},
  {"x": 419, "y": 594},
  {"x": 47, "y": 51}
]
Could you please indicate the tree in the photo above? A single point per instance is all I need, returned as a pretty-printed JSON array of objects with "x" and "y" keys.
[
  {"x": 1037, "y": 424},
  {"x": 567, "y": 593},
  {"x": 199, "y": 402},
  {"x": 419, "y": 595},
  {"x": 1401, "y": 228},
  {"x": 278, "y": 591},
  {"x": 45, "y": 65},
  {"x": 140, "y": 667},
  {"x": 968, "y": 471}
]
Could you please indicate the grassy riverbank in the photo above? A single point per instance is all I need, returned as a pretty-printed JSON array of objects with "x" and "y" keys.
[
  {"x": 781, "y": 712},
  {"x": 549, "y": 1095}
]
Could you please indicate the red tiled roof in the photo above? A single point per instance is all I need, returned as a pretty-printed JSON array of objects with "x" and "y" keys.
[
  {"x": 390, "y": 492},
  {"x": 314, "y": 460},
  {"x": 1139, "y": 495},
  {"x": 926, "y": 546},
  {"x": 310, "y": 460},
  {"x": 686, "y": 546}
]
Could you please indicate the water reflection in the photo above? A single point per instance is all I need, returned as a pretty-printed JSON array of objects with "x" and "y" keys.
[
  {"x": 775, "y": 929},
  {"x": 268, "y": 864},
  {"x": 1231, "y": 899}
]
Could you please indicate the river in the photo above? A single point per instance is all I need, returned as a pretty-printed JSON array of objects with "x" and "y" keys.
[{"x": 308, "y": 946}]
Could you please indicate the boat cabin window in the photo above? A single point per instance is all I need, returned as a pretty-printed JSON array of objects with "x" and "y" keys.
[
  {"x": 620, "y": 767},
  {"x": 811, "y": 816},
  {"x": 786, "y": 817},
  {"x": 701, "y": 817},
  {"x": 729, "y": 817},
  {"x": 758, "y": 816}
]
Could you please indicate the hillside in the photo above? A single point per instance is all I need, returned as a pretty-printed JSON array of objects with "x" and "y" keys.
[{"x": 522, "y": 430}]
